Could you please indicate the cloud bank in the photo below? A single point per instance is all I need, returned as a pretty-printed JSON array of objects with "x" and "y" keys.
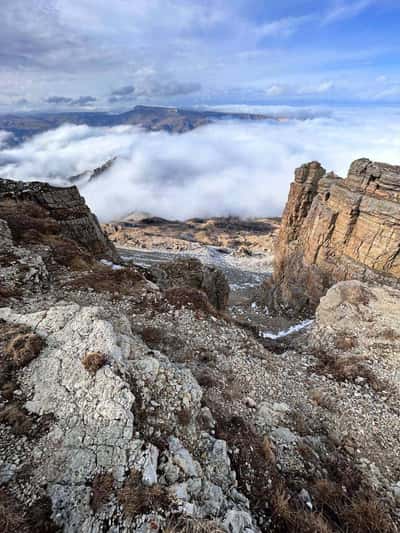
[{"x": 236, "y": 168}]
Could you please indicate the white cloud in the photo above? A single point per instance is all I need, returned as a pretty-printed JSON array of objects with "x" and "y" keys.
[
  {"x": 275, "y": 90},
  {"x": 241, "y": 168},
  {"x": 320, "y": 88},
  {"x": 284, "y": 27},
  {"x": 346, "y": 10}
]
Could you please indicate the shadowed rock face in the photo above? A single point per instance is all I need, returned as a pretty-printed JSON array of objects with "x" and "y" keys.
[
  {"x": 337, "y": 229},
  {"x": 40, "y": 208}
]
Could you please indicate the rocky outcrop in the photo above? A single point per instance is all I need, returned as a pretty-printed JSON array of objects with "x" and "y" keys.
[
  {"x": 337, "y": 229},
  {"x": 192, "y": 273},
  {"x": 38, "y": 210}
]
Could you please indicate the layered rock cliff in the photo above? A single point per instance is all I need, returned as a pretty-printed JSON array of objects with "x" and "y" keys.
[
  {"x": 38, "y": 212},
  {"x": 337, "y": 229}
]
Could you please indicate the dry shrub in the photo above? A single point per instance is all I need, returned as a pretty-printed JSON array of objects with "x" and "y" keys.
[
  {"x": 194, "y": 299},
  {"x": 12, "y": 518},
  {"x": 390, "y": 334},
  {"x": 153, "y": 336},
  {"x": 7, "y": 259},
  {"x": 68, "y": 253},
  {"x": 345, "y": 342},
  {"x": 322, "y": 399},
  {"x": 184, "y": 416},
  {"x": 191, "y": 525},
  {"x": 22, "y": 422},
  {"x": 102, "y": 489},
  {"x": 205, "y": 378},
  {"x": 28, "y": 222},
  {"x": 23, "y": 348},
  {"x": 8, "y": 292},
  {"x": 35, "y": 519},
  {"x": 123, "y": 281},
  {"x": 368, "y": 514},
  {"x": 93, "y": 361},
  {"x": 268, "y": 450},
  {"x": 347, "y": 368},
  {"x": 136, "y": 498}
]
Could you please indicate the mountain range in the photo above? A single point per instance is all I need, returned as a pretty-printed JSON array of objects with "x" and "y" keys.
[{"x": 174, "y": 120}]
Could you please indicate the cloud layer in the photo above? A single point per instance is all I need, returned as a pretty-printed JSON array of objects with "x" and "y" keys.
[{"x": 226, "y": 168}]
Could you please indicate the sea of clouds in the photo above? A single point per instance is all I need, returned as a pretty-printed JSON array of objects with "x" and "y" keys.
[{"x": 226, "y": 168}]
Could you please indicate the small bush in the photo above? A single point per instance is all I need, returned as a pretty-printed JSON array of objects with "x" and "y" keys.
[
  {"x": 122, "y": 281},
  {"x": 194, "y": 299},
  {"x": 102, "y": 489},
  {"x": 184, "y": 416},
  {"x": 347, "y": 368},
  {"x": 35, "y": 519},
  {"x": 137, "y": 498},
  {"x": 192, "y": 525},
  {"x": 23, "y": 348},
  {"x": 93, "y": 361},
  {"x": 345, "y": 342}
]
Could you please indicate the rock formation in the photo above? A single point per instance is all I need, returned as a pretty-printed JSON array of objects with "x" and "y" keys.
[
  {"x": 192, "y": 273},
  {"x": 34, "y": 210},
  {"x": 337, "y": 229}
]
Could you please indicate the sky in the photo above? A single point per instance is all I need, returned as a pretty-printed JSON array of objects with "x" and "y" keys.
[{"x": 111, "y": 55}]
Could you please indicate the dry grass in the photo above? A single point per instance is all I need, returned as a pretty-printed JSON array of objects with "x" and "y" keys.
[
  {"x": 23, "y": 348},
  {"x": 268, "y": 450},
  {"x": 345, "y": 343},
  {"x": 205, "y": 378},
  {"x": 12, "y": 519},
  {"x": 347, "y": 368},
  {"x": 102, "y": 489},
  {"x": 93, "y": 361},
  {"x": 194, "y": 299},
  {"x": 191, "y": 525},
  {"x": 184, "y": 416},
  {"x": 8, "y": 292},
  {"x": 16, "y": 519},
  {"x": 137, "y": 498},
  {"x": 121, "y": 282}
]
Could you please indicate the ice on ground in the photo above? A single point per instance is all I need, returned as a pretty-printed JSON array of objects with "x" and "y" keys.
[
  {"x": 110, "y": 264},
  {"x": 284, "y": 333}
]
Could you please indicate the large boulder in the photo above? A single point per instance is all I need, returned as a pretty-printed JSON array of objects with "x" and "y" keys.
[{"x": 193, "y": 274}]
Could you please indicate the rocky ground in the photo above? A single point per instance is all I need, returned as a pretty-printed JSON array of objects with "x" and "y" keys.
[{"x": 151, "y": 398}]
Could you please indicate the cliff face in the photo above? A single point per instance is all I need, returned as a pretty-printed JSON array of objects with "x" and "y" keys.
[
  {"x": 337, "y": 229},
  {"x": 40, "y": 213}
]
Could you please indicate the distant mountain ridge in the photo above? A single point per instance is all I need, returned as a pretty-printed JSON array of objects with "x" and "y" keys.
[{"x": 169, "y": 119}]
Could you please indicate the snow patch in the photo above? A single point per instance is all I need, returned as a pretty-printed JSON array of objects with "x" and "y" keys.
[
  {"x": 110, "y": 264},
  {"x": 284, "y": 333}
]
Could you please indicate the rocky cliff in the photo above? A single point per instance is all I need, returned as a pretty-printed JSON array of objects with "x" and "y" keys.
[
  {"x": 337, "y": 229},
  {"x": 40, "y": 213}
]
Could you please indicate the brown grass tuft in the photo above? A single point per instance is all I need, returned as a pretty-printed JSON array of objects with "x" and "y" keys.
[
  {"x": 191, "y": 525},
  {"x": 137, "y": 498},
  {"x": 122, "y": 281},
  {"x": 194, "y": 299},
  {"x": 35, "y": 519},
  {"x": 102, "y": 489},
  {"x": 93, "y": 361},
  {"x": 347, "y": 368},
  {"x": 23, "y": 348}
]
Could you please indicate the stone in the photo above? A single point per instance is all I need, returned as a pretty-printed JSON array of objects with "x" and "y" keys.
[{"x": 193, "y": 274}]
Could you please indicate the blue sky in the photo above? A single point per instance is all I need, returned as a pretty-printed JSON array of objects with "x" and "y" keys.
[{"x": 102, "y": 54}]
